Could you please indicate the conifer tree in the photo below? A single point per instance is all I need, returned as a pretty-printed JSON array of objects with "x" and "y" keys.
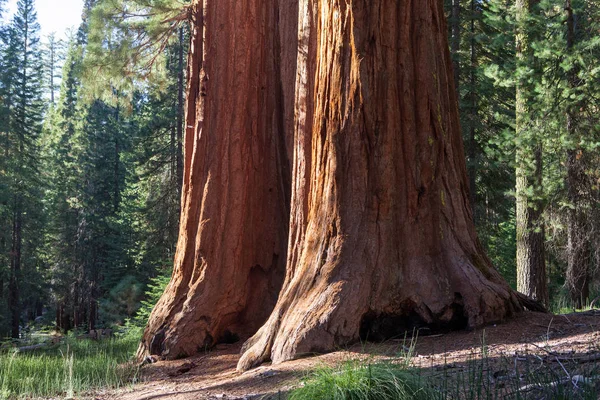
[
  {"x": 63, "y": 195},
  {"x": 4, "y": 196},
  {"x": 23, "y": 116},
  {"x": 580, "y": 68},
  {"x": 531, "y": 262},
  {"x": 53, "y": 59}
]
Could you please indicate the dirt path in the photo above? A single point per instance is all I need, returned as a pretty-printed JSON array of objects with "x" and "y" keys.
[{"x": 530, "y": 336}]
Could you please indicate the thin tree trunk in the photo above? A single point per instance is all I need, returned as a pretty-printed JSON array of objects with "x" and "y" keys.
[
  {"x": 93, "y": 305},
  {"x": 230, "y": 256},
  {"x": 472, "y": 142},
  {"x": 531, "y": 264},
  {"x": 381, "y": 236},
  {"x": 58, "y": 316},
  {"x": 52, "y": 43},
  {"x": 455, "y": 43},
  {"x": 117, "y": 166},
  {"x": 76, "y": 304},
  {"x": 578, "y": 276},
  {"x": 15, "y": 270}
]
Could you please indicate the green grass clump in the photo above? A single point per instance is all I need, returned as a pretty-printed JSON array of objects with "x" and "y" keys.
[
  {"x": 360, "y": 381},
  {"x": 75, "y": 366}
]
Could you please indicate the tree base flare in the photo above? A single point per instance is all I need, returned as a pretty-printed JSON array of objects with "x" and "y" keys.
[{"x": 322, "y": 321}]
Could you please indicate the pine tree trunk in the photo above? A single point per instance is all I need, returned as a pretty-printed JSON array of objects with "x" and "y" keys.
[
  {"x": 230, "y": 258},
  {"x": 578, "y": 276},
  {"x": 531, "y": 264},
  {"x": 381, "y": 235}
]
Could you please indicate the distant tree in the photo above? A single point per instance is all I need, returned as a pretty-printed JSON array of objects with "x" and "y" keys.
[
  {"x": 555, "y": 75},
  {"x": 5, "y": 102},
  {"x": 2, "y": 5},
  {"x": 54, "y": 49},
  {"x": 159, "y": 164},
  {"x": 582, "y": 142},
  {"x": 114, "y": 150},
  {"x": 23, "y": 115},
  {"x": 63, "y": 198}
]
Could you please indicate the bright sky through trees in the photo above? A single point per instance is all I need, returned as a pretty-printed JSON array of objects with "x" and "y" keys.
[{"x": 53, "y": 15}]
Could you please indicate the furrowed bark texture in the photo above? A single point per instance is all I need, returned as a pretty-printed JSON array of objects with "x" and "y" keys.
[
  {"x": 230, "y": 259},
  {"x": 531, "y": 262},
  {"x": 381, "y": 233}
]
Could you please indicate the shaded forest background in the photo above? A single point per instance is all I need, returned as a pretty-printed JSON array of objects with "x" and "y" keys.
[{"x": 91, "y": 130}]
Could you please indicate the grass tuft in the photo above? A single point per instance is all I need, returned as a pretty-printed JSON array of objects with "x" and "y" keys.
[
  {"x": 72, "y": 368},
  {"x": 359, "y": 381}
]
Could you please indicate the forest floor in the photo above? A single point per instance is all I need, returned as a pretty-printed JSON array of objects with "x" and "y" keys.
[{"x": 564, "y": 348}]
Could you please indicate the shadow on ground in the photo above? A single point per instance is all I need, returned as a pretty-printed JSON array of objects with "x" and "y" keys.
[{"x": 511, "y": 349}]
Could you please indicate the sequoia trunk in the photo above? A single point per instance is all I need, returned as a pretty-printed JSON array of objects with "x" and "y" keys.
[
  {"x": 380, "y": 229},
  {"x": 382, "y": 238},
  {"x": 231, "y": 252}
]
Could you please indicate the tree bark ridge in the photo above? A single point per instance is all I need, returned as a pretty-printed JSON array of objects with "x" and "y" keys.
[
  {"x": 381, "y": 236},
  {"x": 230, "y": 257}
]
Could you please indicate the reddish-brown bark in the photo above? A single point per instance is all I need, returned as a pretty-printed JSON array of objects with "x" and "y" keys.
[
  {"x": 382, "y": 236},
  {"x": 380, "y": 230},
  {"x": 232, "y": 245}
]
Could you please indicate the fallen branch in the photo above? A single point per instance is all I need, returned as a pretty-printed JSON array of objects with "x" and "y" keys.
[
  {"x": 32, "y": 347},
  {"x": 584, "y": 359},
  {"x": 530, "y": 303}
]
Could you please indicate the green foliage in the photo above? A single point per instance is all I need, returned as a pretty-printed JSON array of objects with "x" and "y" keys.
[
  {"x": 501, "y": 248},
  {"x": 489, "y": 75},
  {"x": 122, "y": 301},
  {"x": 127, "y": 43},
  {"x": 113, "y": 194},
  {"x": 54, "y": 56},
  {"x": 487, "y": 119},
  {"x": 69, "y": 369},
  {"x": 156, "y": 288},
  {"x": 364, "y": 381},
  {"x": 21, "y": 115}
]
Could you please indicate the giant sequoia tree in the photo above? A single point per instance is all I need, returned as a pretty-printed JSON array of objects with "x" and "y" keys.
[{"x": 372, "y": 231}]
